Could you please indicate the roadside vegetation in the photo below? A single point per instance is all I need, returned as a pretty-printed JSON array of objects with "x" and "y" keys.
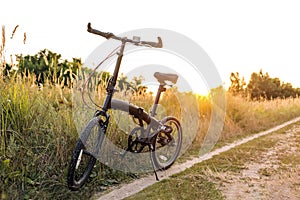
[{"x": 38, "y": 133}]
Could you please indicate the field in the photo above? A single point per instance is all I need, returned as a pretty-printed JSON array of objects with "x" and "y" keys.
[{"x": 38, "y": 135}]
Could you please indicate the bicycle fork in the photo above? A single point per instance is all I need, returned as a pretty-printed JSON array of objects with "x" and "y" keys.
[{"x": 103, "y": 124}]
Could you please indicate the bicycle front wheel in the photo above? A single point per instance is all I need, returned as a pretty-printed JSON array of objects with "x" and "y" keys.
[
  {"x": 84, "y": 155},
  {"x": 167, "y": 145}
]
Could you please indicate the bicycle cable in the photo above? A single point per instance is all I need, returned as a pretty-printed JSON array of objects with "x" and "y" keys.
[{"x": 111, "y": 54}]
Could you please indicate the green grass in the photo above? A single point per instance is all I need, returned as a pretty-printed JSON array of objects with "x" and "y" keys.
[{"x": 181, "y": 187}]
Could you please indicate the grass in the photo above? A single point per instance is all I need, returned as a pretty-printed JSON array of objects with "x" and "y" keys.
[
  {"x": 244, "y": 117},
  {"x": 187, "y": 187},
  {"x": 38, "y": 135},
  {"x": 37, "y": 139}
]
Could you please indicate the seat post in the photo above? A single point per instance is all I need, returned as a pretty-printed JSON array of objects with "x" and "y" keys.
[{"x": 161, "y": 89}]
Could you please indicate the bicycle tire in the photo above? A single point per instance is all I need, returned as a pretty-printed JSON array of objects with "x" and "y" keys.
[
  {"x": 75, "y": 183},
  {"x": 156, "y": 154}
]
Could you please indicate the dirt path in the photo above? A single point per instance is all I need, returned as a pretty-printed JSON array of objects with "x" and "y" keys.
[
  {"x": 275, "y": 174},
  {"x": 255, "y": 182}
]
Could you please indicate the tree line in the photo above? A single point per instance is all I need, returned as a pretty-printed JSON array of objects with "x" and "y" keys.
[
  {"x": 49, "y": 67},
  {"x": 261, "y": 86}
]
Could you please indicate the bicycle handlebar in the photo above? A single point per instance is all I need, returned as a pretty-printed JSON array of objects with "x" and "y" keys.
[
  {"x": 153, "y": 44},
  {"x": 94, "y": 31},
  {"x": 109, "y": 35}
]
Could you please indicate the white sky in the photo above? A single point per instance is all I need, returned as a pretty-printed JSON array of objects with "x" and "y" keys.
[{"x": 238, "y": 35}]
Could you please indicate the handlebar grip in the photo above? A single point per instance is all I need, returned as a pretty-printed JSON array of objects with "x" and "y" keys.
[
  {"x": 159, "y": 44},
  {"x": 154, "y": 44},
  {"x": 94, "y": 31}
]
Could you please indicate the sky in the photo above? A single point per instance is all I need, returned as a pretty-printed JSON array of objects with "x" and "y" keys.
[{"x": 239, "y": 36}]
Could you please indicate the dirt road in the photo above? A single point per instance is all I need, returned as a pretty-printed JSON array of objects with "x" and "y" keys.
[{"x": 274, "y": 174}]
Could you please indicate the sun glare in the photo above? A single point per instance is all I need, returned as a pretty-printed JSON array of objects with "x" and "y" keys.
[
  {"x": 145, "y": 64},
  {"x": 152, "y": 89}
]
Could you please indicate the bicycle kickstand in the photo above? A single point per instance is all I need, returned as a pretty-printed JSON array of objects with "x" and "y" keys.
[{"x": 152, "y": 162}]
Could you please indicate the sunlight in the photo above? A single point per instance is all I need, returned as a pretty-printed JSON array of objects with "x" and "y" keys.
[
  {"x": 152, "y": 89},
  {"x": 146, "y": 62}
]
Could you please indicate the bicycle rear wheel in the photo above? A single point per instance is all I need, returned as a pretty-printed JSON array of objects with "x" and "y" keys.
[
  {"x": 84, "y": 155},
  {"x": 167, "y": 145}
]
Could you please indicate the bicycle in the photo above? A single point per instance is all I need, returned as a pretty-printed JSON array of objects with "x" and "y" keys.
[{"x": 162, "y": 137}]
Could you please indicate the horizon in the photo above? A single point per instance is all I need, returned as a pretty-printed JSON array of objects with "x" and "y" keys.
[{"x": 131, "y": 75}]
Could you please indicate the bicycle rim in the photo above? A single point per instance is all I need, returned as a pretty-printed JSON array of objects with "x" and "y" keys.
[
  {"x": 84, "y": 155},
  {"x": 165, "y": 154}
]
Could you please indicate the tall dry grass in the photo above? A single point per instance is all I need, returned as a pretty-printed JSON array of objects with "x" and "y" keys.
[
  {"x": 38, "y": 134},
  {"x": 246, "y": 117},
  {"x": 2, "y": 49},
  {"x": 33, "y": 138}
]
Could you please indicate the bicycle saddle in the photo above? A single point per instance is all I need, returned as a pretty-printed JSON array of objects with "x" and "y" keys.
[{"x": 162, "y": 77}]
